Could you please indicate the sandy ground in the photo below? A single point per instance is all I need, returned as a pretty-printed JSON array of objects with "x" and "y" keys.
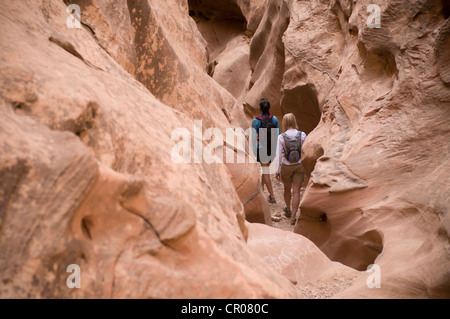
[
  {"x": 278, "y": 218},
  {"x": 325, "y": 287}
]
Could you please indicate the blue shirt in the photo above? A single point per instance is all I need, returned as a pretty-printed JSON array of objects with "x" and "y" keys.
[{"x": 256, "y": 125}]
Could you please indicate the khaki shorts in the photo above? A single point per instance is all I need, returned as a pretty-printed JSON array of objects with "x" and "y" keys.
[{"x": 292, "y": 173}]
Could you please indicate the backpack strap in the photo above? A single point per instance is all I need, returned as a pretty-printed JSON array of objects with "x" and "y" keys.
[
  {"x": 298, "y": 137},
  {"x": 261, "y": 116}
]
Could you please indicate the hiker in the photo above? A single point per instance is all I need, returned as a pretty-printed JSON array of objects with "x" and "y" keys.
[
  {"x": 290, "y": 170},
  {"x": 267, "y": 129}
]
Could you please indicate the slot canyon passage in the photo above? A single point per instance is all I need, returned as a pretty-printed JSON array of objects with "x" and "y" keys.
[{"x": 88, "y": 112}]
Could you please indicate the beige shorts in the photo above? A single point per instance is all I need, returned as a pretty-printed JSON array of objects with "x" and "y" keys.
[{"x": 292, "y": 173}]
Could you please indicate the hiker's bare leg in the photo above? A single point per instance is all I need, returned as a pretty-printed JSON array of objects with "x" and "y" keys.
[
  {"x": 268, "y": 183},
  {"x": 295, "y": 199},
  {"x": 266, "y": 180},
  {"x": 287, "y": 195}
]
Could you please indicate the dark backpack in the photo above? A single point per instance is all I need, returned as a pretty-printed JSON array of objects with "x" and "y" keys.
[
  {"x": 267, "y": 132},
  {"x": 292, "y": 147}
]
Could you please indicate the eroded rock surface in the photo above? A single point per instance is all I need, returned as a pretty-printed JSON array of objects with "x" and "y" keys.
[
  {"x": 86, "y": 163},
  {"x": 378, "y": 155},
  {"x": 86, "y": 171}
]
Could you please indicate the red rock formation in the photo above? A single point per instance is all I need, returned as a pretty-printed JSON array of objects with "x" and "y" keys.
[
  {"x": 86, "y": 123},
  {"x": 87, "y": 176},
  {"x": 379, "y": 157},
  {"x": 267, "y": 60},
  {"x": 292, "y": 255}
]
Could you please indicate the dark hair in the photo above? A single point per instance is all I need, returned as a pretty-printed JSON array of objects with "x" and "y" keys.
[{"x": 264, "y": 105}]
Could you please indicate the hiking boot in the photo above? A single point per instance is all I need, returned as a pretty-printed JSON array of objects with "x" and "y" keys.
[
  {"x": 272, "y": 200},
  {"x": 287, "y": 212}
]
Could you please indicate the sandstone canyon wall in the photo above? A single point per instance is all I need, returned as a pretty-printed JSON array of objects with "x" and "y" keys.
[
  {"x": 379, "y": 157},
  {"x": 87, "y": 176}
]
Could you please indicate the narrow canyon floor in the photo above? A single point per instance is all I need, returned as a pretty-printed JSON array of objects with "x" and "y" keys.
[
  {"x": 278, "y": 219},
  {"x": 327, "y": 286}
]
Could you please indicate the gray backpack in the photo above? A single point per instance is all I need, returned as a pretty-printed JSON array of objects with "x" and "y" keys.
[{"x": 292, "y": 147}]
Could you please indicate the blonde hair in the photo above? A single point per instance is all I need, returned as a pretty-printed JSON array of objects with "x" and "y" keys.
[{"x": 289, "y": 121}]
